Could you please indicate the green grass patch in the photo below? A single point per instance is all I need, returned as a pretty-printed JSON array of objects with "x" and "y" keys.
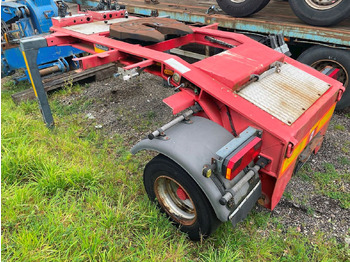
[
  {"x": 288, "y": 195},
  {"x": 329, "y": 183},
  {"x": 262, "y": 238},
  {"x": 339, "y": 127},
  {"x": 346, "y": 147},
  {"x": 344, "y": 161},
  {"x": 304, "y": 172},
  {"x": 333, "y": 185},
  {"x": 72, "y": 194},
  {"x": 9, "y": 85}
]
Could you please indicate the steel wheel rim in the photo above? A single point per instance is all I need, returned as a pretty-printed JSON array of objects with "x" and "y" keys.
[
  {"x": 238, "y": 1},
  {"x": 322, "y": 4},
  {"x": 182, "y": 211},
  {"x": 343, "y": 75}
]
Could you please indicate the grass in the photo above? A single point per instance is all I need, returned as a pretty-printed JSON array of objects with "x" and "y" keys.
[
  {"x": 344, "y": 161},
  {"x": 72, "y": 194},
  {"x": 329, "y": 183},
  {"x": 346, "y": 147},
  {"x": 339, "y": 127},
  {"x": 333, "y": 185}
]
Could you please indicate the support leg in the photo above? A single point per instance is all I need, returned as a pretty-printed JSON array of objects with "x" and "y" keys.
[{"x": 29, "y": 48}]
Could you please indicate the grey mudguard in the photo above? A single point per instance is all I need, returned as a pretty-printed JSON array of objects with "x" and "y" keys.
[{"x": 192, "y": 145}]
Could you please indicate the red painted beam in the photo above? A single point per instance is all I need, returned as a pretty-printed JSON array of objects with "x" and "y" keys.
[{"x": 98, "y": 59}]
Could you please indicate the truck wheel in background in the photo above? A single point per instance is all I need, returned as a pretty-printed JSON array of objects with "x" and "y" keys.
[
  {"x": 262, "y": 5},
  {"x": 241, "y": 8},
  {"x": 319, "y": 57},
  {"x": 179, "y": 197},
  {"x": 321, "y": 12}
]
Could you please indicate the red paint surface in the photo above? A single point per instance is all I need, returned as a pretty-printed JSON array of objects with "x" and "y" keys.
[
  {"x": 181, "y": 194},
  {"x": 215, "y": 79}
]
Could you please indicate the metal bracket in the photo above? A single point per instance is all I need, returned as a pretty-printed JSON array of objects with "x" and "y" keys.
[
  {"x": 212, "y": 10},
  {"x": 274, "y": 68},
  {"x": 277, "y": 43},
  {"x": 128, "y": 74},
  {"x": 194, "y": 109},
  {"x": 231, "y": 192}
]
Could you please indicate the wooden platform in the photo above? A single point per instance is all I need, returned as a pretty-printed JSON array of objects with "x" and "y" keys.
[{"x": 57, "y": 81}]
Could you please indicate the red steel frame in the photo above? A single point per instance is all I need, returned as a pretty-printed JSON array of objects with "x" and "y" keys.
[{"x": 211, "y": 83}]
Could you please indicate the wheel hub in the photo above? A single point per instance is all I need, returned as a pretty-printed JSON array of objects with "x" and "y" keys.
[
  {"x": 237, "y": 1},
  {"x": 323, "y": 4},
  {"x": 181, "y": 194},
  {"x": 175, "y": 200},
  {"x": 342, "y": 75}
]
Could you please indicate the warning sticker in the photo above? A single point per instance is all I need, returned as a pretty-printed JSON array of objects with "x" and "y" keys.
[{"x": 177, "y": 65}]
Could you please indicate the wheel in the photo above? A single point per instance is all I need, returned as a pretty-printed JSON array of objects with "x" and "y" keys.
[
  {"x": 179, "y": 196},
  {"x": 319, "y": 57},
  {"x": 242, "y": 8},
  {"x": 321, "y": 12},
  {"x": 262, "y": 5}
]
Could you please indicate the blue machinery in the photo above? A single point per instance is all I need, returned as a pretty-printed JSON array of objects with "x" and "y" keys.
[{"x": 23, "y": 18}]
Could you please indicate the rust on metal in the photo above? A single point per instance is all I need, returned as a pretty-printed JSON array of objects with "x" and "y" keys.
[
  {"x": 149, "y": 29},
  {"x": 174, "y": 206},
  {"x": 285, "y": 95},
  {"x": 49, "y": 70},
  {"x": 314, "y": 143}
]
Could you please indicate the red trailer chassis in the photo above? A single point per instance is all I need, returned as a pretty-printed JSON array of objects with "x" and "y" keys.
[{"x": 246, "y": 85}]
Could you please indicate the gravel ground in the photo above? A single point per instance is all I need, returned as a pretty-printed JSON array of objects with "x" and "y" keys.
[
  {"x": 327, "y": 215},
  {"x": 122, "y": 107}
]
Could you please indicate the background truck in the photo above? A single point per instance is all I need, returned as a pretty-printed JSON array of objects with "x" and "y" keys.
[
  {"x": 313, "y": 12},
  {"x": 248, "y": 116},
  {"x": 320, "y": 47}
]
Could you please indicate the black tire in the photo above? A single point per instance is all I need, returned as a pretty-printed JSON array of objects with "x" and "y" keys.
[
  {"x": 193, "y": 215},
  {"x": 262, "y": 5},
  {"x": 241, "y": 8},
  {"x": 313, "y": 13},
  {"x": 319, "y": 56}
]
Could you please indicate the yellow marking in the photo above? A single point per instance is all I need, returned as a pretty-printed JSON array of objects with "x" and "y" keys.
[
  {"x": 304, "y": 142},
  {"x": 228, "y": 173},
  {"x": 29, "y": 73},
  {"x": 6, "y": 39},
  {"x": 98, "y": 50},
  {"x": 297, "y": 150},
  {"x": 325, "y": 119},
  {"x": 168, "y": 72},
  {"x": 208, "y": 174}
]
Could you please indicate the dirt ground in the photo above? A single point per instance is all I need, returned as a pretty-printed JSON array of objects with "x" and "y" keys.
[
  {"x": 122, "y": 107},
  {"x": 327, "y": 215}
]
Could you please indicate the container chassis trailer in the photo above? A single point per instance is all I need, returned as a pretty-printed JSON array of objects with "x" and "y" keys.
[{"x": 247, "y": 116}]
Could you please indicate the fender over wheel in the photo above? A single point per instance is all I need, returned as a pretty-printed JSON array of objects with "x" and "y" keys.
[
  {"x": 319, "y": 57},
  {"x": 321, "y": 12},
  {"x": 178, "y": 195},
  {"x": 242, "y": 8}
]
